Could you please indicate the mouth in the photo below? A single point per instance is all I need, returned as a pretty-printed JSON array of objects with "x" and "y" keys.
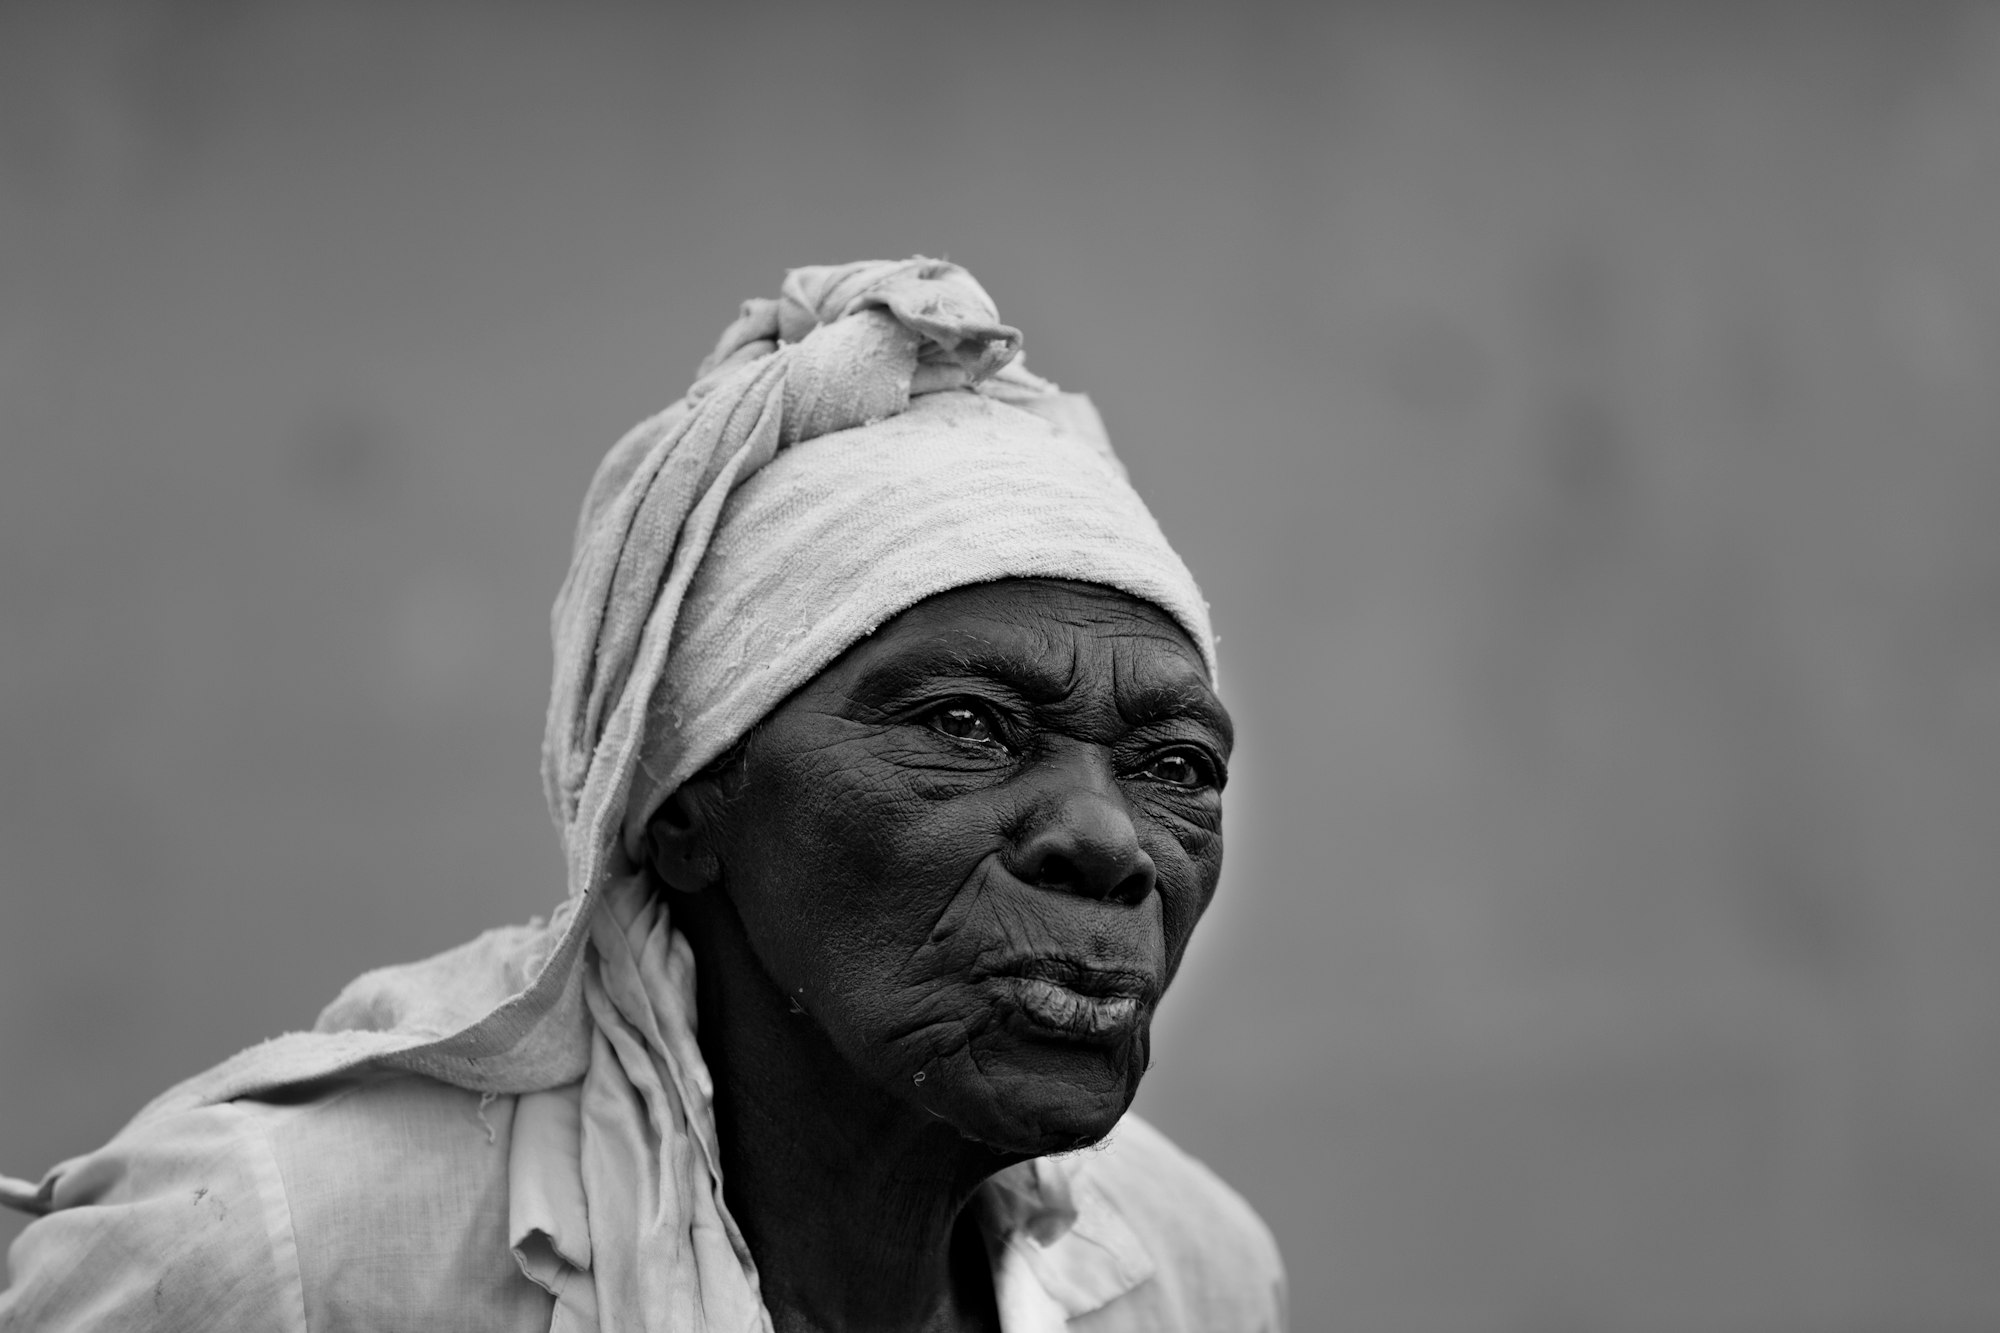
[{"x": 1082, "y": 1003}]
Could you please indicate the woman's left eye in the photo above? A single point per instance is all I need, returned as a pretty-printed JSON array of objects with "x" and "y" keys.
[
  {"x": 1179, "y": 768},
  {"x": 965, "y": 722}
]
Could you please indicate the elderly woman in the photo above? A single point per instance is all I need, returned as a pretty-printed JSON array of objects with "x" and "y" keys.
[{"x": 888, "y": 764}]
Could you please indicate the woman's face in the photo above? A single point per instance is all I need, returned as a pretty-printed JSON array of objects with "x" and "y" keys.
[{"x": 973, "y": 850}]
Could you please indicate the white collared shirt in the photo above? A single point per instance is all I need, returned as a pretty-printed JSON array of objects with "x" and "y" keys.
[{"x": 387, "y": 1204}]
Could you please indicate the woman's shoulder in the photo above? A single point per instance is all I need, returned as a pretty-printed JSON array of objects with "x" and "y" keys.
[
  {"x": 174, "y": 1224},
  {"x": 360, "y": 1203},
  {"x": 1216, "y": 1265}
]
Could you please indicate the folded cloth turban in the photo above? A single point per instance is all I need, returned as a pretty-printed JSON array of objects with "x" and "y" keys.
[
  {"x": 865, "y": 441},
  {"x": 872, "y": 440}
]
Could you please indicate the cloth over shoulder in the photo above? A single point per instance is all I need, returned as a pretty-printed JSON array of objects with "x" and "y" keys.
[{"x": 404, "y": 1203}]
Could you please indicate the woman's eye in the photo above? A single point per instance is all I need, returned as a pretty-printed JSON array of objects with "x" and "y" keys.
[
  {"x": 1178, "y": 768},
  {"x": 965, "y": 723}
]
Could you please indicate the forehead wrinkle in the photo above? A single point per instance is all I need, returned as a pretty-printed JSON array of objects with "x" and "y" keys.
[
  {"x": 1071, "y": 653},
  {"x": 1143, "y": 698},
  {"x": 973, "y": 654},
  {"x": 1054, "y": 641}
]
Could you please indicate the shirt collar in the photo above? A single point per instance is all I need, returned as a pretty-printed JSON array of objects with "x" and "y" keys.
[
  {"x": 1049, "y": 1213},
  {"x": 1052, "y": 1214}
]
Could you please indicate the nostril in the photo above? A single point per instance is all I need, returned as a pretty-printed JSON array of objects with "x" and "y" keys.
[
  {"x": 1133, "y": 888},
  {"x": 1056, "y": 871},
  {"x": 1123, "y": 875}
]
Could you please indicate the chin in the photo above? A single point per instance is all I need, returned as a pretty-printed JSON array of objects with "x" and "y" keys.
[{"x": 1031, "y": 1109}]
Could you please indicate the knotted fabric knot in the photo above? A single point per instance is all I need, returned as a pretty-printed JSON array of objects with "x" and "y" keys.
[{"x": 860, "y": 340}]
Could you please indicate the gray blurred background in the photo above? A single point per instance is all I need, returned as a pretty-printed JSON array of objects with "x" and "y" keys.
[{"x": 1583, "y": 418}]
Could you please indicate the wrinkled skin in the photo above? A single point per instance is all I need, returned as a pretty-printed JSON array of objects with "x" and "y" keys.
[{"x": 934, "y": 899}]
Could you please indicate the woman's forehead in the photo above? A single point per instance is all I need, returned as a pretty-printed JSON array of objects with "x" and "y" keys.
[
  {"x": 1046, "y": 639},
  {"x": 1030, "y": 615},
  {"x": 1028, "y": 604}
]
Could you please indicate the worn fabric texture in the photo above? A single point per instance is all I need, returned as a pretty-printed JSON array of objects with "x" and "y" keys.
[
  {"x": 400, "y": 1203},
  {"x": 864, "y": 441}
]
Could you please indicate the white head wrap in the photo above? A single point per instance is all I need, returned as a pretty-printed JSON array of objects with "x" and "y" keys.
[
  {"x": 870, "y": 440},
  {"x": 865, "y": 441}
]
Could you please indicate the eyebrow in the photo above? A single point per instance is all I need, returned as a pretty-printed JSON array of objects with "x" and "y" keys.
[
  {"x": 1027, "y": 674},
  {"x": 1172, "y": 702}
]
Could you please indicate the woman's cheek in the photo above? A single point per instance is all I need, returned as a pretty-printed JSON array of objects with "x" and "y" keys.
[
  {"x": 923, "y": 1040},
  {"x": 1186, "y": 887}
]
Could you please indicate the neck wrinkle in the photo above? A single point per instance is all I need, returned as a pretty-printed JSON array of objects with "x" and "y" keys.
[{"x": 853, "y": 1203}]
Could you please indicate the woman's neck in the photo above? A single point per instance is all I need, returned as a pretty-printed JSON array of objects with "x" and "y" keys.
[{"x": 853, "y": 1202}]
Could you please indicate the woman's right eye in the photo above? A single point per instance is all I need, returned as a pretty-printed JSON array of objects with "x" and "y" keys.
[{"x": 965, "y": 722}]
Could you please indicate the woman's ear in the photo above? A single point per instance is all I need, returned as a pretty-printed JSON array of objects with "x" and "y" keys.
[{"x": 680, "y": 842}]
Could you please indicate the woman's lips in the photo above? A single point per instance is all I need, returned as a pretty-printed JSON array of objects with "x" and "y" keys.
[
  {"x": 1060, "y": 1009},
  {"x": 1089, "y": 1004}
]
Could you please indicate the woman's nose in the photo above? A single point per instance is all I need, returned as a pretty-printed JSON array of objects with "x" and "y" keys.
[{"x": 1082, "y": 840}]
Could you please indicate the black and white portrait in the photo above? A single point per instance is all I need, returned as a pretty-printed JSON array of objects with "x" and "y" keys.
[{"x": 874, "y": 667}]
